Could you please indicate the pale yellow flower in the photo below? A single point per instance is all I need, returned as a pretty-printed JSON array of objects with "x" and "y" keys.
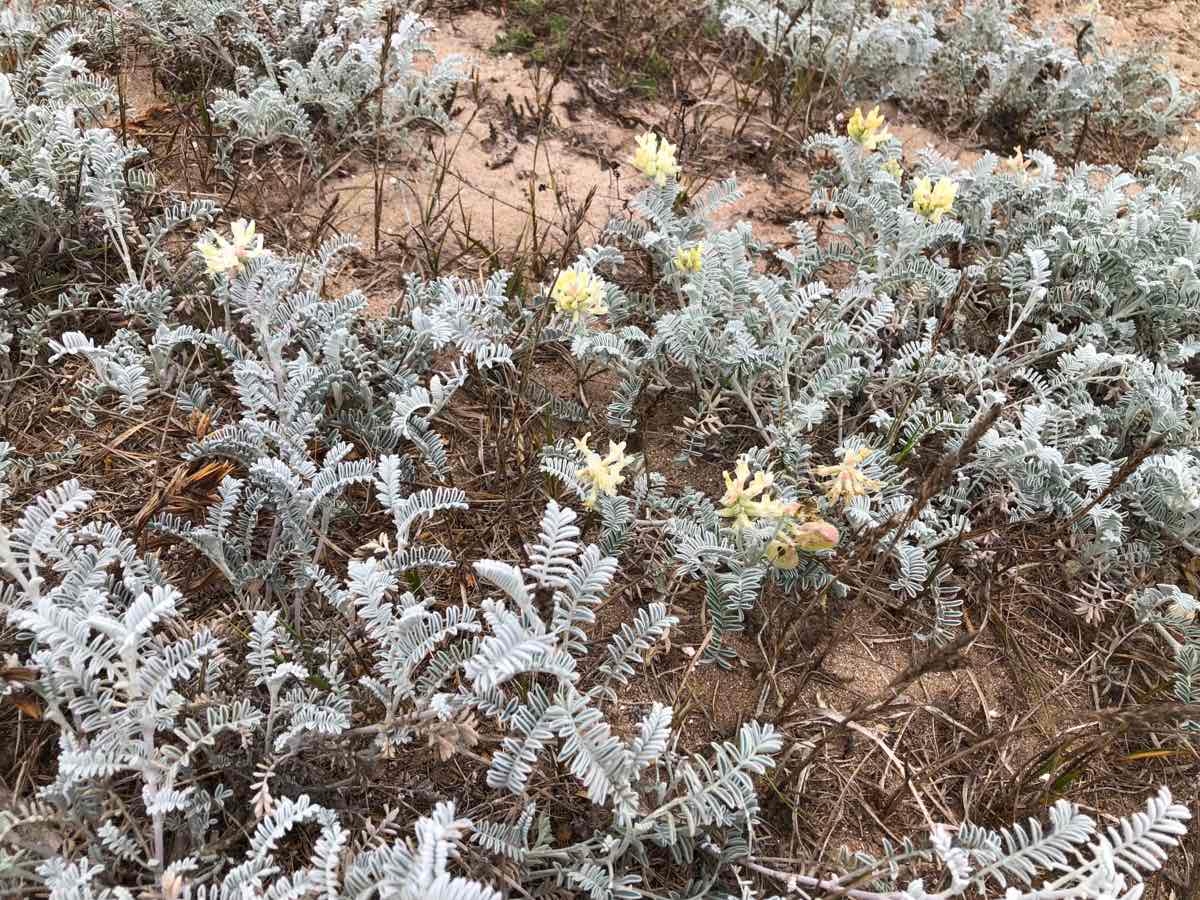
[
  {"x": 870, "y": 130},
  {"x": 579, "y": 293},
  {"x": 784, "y": 551},
  {"x": 1017, "y": 164},
  {"x": 221, "y": 255},
  {"x": 218, "y": 257},
  {"x": 744, "y": 503},
  {"x": 845, "y": 480},
  {"x": 655, "y": 158},
  {"x": 932, "y": 201},
  {"x": 893, "y": 168},
  {"x": 689, "y": 259},
  {"x": 244, "y": 238},
  {"x": 602, "y": 473}
]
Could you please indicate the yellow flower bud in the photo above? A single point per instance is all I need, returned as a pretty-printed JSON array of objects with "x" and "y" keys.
[{"x": 689, "y": 259}]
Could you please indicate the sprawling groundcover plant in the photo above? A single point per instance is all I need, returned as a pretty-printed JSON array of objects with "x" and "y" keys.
[
  {"x": 179, "y": 742},
  {"x": 322, "y": 75},
  {"x": 1034, "y": 328},
  {"x": 971, "y": 64},
  {"x": 218, "y": 696},
  {"x": 156, "y": 710}
]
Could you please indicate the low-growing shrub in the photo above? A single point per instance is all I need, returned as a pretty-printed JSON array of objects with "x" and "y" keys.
[
  {"x": 937, "y": 358},
  {"x": 973, "y": 67},
  {"x": 1031, "y": 328},
  {"x": 325, "y": 76}
]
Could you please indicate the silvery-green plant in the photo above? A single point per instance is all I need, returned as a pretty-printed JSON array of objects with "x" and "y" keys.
[
  {"x": 186, "y": 736},
  {"x": 322, "y": 75},
  {"x": 138, "y": 692},
  {"x": 1089, "y": 294},
  {"x": 876, "y": 52},
  {"x": 144, "y": 702},
  {"x": 66, "y": 181},
  {"x": 141, "y": 703},
  {"x": 68, "y": 185},
  {"x": 1172, "y": 612},
  {"x": 314, "y": 373},
  {"x": 1072, "y": 857},
  {"x": 976, "y": 66}
]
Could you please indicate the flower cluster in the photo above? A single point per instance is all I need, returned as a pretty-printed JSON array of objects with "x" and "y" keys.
[
  {"x": 934, "y": 201},
  {"x": 579, "y": 293},
  {"x": 221, "y": 255},
  {"x": 602, "y": 473},
  {"x": 846, "y": 481},
  {"x": 746, "y": 500},
  {"x": 689, "y": 259},
  {"x": 893, "y": 168},
  {"x": 655, "y": 158},
  {"x": 870, "y": 130}
]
